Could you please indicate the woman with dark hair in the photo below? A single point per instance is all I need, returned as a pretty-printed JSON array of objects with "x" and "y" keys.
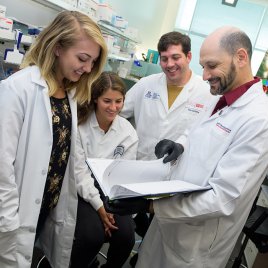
[{"x": 102, "y": 133}]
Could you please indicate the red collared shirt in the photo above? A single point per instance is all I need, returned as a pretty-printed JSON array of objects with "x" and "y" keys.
[{"x": 231, "y": 96}]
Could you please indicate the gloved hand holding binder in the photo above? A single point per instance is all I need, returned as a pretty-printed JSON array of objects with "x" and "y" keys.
[{"x": 173, "y": 149}]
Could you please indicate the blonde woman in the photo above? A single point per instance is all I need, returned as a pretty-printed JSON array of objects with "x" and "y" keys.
[{"x": 38, "y": 196}]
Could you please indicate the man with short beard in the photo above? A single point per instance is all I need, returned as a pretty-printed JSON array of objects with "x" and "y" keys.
[{"x": 226, "y": 149}]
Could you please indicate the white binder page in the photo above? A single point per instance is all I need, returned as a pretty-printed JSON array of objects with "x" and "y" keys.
[
  {"x": 121, "y": 178},
  {"x": 132, "y": 171},
  {"x": 97, "y": 167},
  {"x": 154, "y": 189}
]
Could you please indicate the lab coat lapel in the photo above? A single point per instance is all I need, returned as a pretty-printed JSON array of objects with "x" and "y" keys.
[
  {"x": 210, "y": 110},
  {"x": 37, "y": 79},
  {"x": 164, "y": 93},
  {"x": 73, "y": 107},
  {"x": 48, "y": 107}
]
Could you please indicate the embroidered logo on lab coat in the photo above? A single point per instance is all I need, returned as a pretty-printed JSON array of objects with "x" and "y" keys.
[
  {"x": 152, "y": 95},
  {"x": 119, "y": 151}
]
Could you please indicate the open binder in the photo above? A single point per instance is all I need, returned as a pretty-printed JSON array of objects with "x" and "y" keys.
[{"x": 120, "y": 178}]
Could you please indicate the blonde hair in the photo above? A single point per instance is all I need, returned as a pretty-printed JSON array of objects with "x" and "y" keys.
[{"x": 65, "y": 30}]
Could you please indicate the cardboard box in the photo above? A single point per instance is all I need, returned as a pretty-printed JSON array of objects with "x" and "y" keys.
[
  {"x": 132, "y": 32},
  {"x": 105, "y": 13},
  {"x": 89, "y": 7},
  {"x": 109, "y": 41},
  {"x": 120, "y": 22},
  {"x": 2, "y": 11},
  {"x": 72, "y": 3},
  {"x": 115, "y": 49},
  {"x": 6, "y": 24}
]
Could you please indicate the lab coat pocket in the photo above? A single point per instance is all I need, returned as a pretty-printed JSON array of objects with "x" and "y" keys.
[
  {"x": 189, "y": 115},
  {"x": 185, "y": 241},
  {"x": 220, "y": 130},
  {"x": 217, "y": 143},
  {"x": 8, "y": 248},
  {"x": 206, "y": 154}
]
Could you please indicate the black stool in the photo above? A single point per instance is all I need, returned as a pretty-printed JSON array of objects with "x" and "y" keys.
[
  {"x": 43, "y": 263},
  {"x": 255, "y": 229}
]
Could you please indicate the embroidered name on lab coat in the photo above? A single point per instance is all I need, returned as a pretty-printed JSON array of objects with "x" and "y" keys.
[
  {"x": 194, "y": 107},
  {"x": 225, "y": 129},
  {"x": 152, "y": 95}
]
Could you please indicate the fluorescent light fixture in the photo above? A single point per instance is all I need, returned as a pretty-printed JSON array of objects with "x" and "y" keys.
[{"x": 231, "y": 3}]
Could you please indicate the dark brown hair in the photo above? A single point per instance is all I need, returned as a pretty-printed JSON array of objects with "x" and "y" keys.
[
  {"x": 107, "y": 80},
  {"x": 174, "y": 38}
]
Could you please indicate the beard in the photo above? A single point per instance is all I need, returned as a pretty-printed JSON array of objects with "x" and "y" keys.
[{"x": 224, "y": 82}]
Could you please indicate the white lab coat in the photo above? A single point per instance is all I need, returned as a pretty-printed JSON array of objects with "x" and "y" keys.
[
  {"x": 147, "y": 101},
  {"x": 229, "y": 151},
  {"x": 121, "y": 140},
  {"x": 25, "y": 147}
]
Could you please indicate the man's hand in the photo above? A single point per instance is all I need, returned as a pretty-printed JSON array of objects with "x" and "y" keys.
[
  {"x": 173, "y": 149},
  {"x": 127, "y": 206}
]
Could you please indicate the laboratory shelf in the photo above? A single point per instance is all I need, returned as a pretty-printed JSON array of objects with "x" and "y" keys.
[
  {"x": 110, "y": 29},
  {"x": 118, "y": 57},
  {"x": 58, "y": 5},
  {"x": 10, "y": 36}
]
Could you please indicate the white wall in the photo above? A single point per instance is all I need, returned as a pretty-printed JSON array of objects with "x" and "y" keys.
[
  {"x": 29, "y": 12},
  {"x": 151, "y": 17}
]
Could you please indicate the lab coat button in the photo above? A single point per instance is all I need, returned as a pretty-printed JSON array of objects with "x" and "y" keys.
[
  {"x": 44, "y": 172},
  {"x": 37, "y": 201},
  {"x": 28, "y": 258},
  {"x": 32, "y": 230}
]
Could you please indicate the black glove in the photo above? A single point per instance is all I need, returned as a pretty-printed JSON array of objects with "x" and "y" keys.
[
  {"x": 173, "y": 149},
  {"x": 127, "y": 206}
]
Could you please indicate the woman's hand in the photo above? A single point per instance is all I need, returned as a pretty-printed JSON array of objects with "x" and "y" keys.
[{"x": 107, "y": 220}]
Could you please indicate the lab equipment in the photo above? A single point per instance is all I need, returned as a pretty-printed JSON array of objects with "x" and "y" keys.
[{"x": 14, "y": 55}]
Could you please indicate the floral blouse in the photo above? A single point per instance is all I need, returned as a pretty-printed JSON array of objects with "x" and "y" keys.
[{"x": 62, "y": 126}]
